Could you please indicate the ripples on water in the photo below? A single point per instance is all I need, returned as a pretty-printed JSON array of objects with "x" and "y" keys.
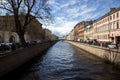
[{"x": 65, "y": 62}]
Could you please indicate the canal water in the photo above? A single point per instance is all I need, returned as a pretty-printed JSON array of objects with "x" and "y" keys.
[{"x": 66, "y": 62}]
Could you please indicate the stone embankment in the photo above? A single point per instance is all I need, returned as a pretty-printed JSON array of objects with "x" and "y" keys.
[
  {"x": 112, "y": 55},
  {"x": 19, "y": 57}
]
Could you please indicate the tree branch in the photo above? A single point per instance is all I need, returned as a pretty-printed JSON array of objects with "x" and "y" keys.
[{"x": 6, "y": 9}]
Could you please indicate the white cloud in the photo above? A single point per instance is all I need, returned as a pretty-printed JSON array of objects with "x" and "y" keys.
[
  {"x": 81, "y": 11},
  {"x": 86, "y": 11},
  {"x": 72, "y": 10},
  {"x": 63, "y": 28},
  {"x": 68, "y": 3},
  {"x": 51, "y": 2},
  {"x": 64, "y": 5},
  {"x": 68, "y": 13}
]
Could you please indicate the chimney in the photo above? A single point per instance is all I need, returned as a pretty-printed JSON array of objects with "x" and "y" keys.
[{"x": 112, "y": 9}]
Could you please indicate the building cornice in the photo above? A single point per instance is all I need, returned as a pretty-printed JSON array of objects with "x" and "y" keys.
[{"x": 108, "y": 14}]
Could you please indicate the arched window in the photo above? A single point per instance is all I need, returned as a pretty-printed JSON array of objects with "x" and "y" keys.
[{"x": 12, "y": 39}]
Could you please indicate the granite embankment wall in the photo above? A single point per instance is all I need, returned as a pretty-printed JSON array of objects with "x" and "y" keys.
[
  {"x": 19, "y": 57},
  {"x": 112, "y": 55}
]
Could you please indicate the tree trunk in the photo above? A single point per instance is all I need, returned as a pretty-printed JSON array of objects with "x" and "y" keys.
[
  {"x": 19, "y": 30},
  {"x": 22, "y": 39}
]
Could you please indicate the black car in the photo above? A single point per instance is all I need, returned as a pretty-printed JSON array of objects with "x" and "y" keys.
[{"x": 4, "y": 47}]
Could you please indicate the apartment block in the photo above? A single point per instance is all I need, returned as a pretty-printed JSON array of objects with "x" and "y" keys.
[
  {"x": 79, "y": 30},
  {"x": 107, "y": 27},
  {"x": 88, "y": 32}
]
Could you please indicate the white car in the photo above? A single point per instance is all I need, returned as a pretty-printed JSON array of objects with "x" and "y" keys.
[{"x": 112, "y": 46}]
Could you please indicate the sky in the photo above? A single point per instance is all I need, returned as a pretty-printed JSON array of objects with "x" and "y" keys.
[{"x": 67, "y": 13}]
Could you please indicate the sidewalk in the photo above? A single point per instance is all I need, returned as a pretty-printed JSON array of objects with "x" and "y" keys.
[{"x": 101, "y": 47}]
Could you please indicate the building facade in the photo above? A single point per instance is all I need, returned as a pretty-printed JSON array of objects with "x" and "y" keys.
[
  {"x": 88, "y": 33},
  {"x": 72, "y": 35},
  {"x": 54, "y": 37},
  {"x": 107, "y": 27},
  {"x": 49, "y": 36},
  {"x": 79, "y": 30},
  {"x": 67, "y": 37},
  {"x": 8, "y": 32},
  {"x": 76, "y": 32},
  {"x": 47, "y": 33}
]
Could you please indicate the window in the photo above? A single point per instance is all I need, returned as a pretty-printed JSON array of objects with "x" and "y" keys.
[
  {"x": 117, "y": 25},
  {"x": 113, "y": 16},
  {"x": 117, "y": 15},
  {"x": 110, "y": 26},
  {"x": 110, "y": 17}
]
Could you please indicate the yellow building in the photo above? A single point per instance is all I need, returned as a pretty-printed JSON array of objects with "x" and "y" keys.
[{"x": 34, "y": 31}]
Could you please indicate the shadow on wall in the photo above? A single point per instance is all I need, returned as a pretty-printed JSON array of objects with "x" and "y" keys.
[{"x": 112, "y": 57}]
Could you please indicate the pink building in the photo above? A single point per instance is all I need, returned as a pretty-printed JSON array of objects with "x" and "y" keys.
[{"x": 107, "y": 27}]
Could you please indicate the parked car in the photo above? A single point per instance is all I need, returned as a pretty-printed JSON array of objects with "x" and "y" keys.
[
  {"x": 33, "y": 42},
  {"x": 4, "y": 47},
  {"x": 112, "y": 46}
]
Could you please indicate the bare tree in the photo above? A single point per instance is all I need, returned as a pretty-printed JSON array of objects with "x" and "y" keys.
[{"x": 30, "y": 9}]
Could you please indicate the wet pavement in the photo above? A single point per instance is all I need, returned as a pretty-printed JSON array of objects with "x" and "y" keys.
[{"x": 65, "y": 62}]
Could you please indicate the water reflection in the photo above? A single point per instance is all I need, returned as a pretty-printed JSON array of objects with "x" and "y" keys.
[{"x": 65, "y": 62}]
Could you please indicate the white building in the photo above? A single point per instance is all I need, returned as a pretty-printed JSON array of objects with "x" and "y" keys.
[{"x": 107, "y": 27}]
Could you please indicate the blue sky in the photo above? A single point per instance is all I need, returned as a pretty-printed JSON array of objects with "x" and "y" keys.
[{"x": 67, "y": 13}]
